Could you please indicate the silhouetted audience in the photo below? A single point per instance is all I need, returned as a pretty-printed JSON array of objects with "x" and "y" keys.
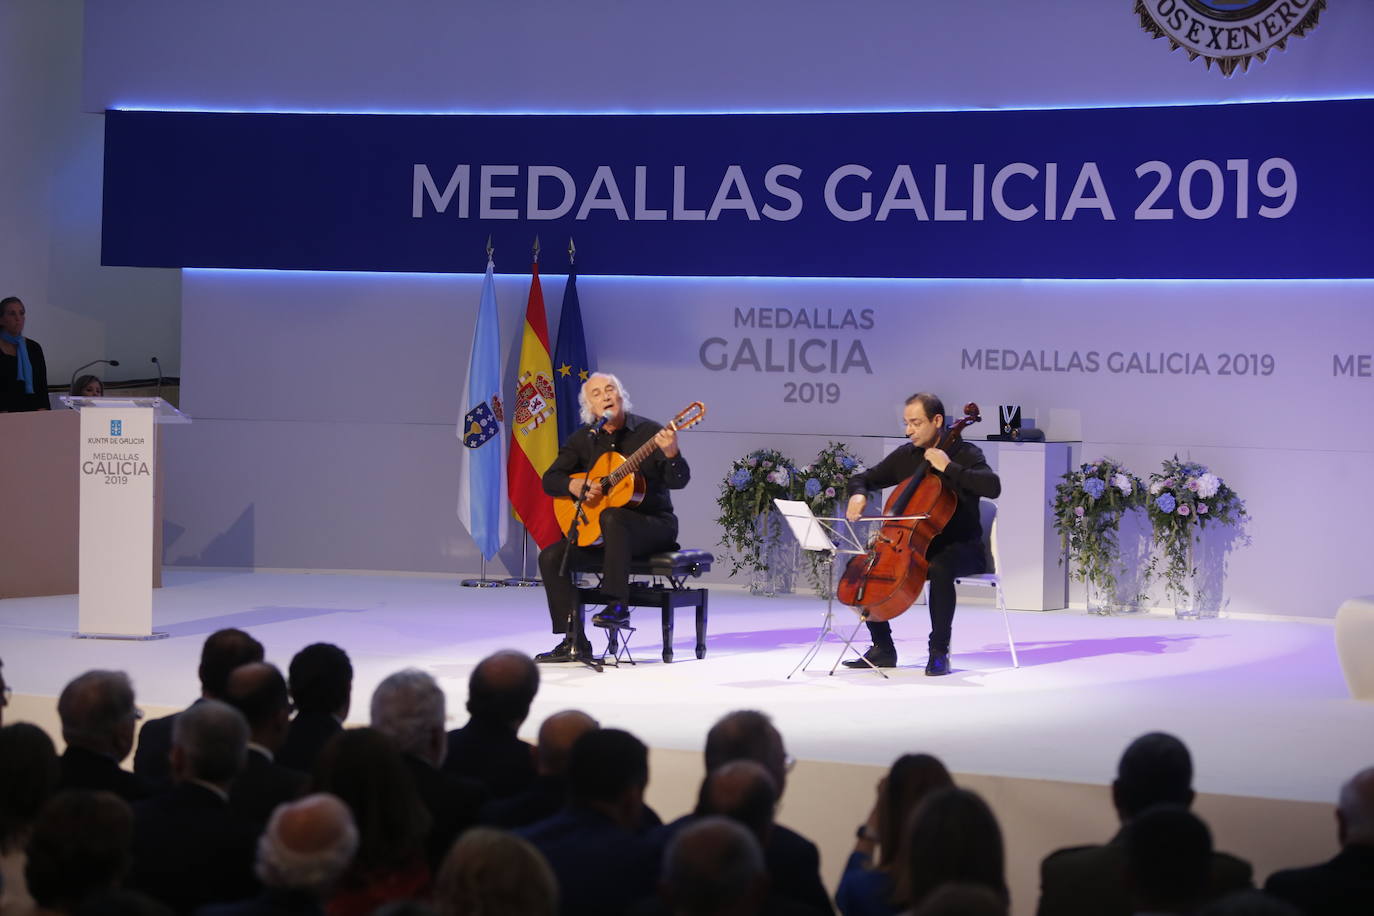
[
  {"x": 793, "y": 861},
  {"x": 408, "y": 707},
  {"x": 321, "y": 682},
  {"x": 867, "y": 885},
  {"x": 305, "y": 850},
  {"x": 98, "y": 715},
  {"x": 258, "y": 691},
  {"x": 28, "y": 778},
  {"x": 1254, "y": 903},
  {"x": 494, "y": 873},
  {"x": 190, "y": 848},
  {"x": 956, "y": 899},
  {"x": 223, "y": 651},
  {"x": 364, "y": 769},
  {"x": 4, "y": 693},
  {"x": 952, "y": 836},
  {"x": 1091, "y": 880},
  {"x": 500, "y": 691},
  {"x": 714, "y": 867},
  {"x": 547, "y": 794},
  {"x": 598, "y": 829},
  {"x": 1168, "y": 859},
  {"x": 1344, "y": 885},
  {"x": 79, "y": 847}
]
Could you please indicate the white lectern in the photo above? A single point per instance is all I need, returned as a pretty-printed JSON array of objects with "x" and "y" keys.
[{"x": 118, "y": 466}]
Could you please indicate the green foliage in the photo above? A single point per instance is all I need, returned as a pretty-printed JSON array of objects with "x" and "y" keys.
[
  {"x": 746, "y": 493},
  {"x": 1185, "y": 497},
  {"x": 1088, "y": 505},
  {"x": 821, "y": 485}
]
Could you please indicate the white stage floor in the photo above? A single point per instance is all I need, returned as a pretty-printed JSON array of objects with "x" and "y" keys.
[{"x": 1261, "y": 702}]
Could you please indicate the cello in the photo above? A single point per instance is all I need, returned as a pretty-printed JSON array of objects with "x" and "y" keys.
[{"x": 889, "y": 578}]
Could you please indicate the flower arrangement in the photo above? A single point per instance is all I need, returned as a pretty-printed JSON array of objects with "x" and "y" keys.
[
  {"x": 746, "y": 494},
  {"x": 1185, "y": 497},
  {"x": 821, "y": 484},
  {"x": 1088, "y": 505}
]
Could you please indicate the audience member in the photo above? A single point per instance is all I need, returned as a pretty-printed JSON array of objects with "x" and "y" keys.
[
  {"x": 1091, "y": 880},
  {"x": 121, "y": 901},
  {"x": 952, "y": 836},
  {"x": 190, "y": 848},
  {"x": 321, "y": 680},
  {"x": 500, "y": 692},
  {"x": 223, "y": 651},
  {"x": 1252, "y": 903},
  {"x": 956, "y": 899},
  {"x": 1345, "y": 884},
  {"x": 592, "y": 845},
  {"x": 743, "y": 791},
  {"x": 88, "y": 386},
  {"x": 408, "y": 707},
  {"x": 494, "y": 873},
  {"x": 23, "y": 370},
  {"x": 714, "y": 867},
  {"x": 1168, "y": 859},
  {"x": 4, "y": 693},
  {"x": 79, "y": 847},
  {"x": 28, "y": 778},
  {"x": 363, "y": 768},
  {"x": 866, "y": 887},
  {"x": 547, "y": 794},
  {"x": 793, "y": 861},
  {"x": 258, "y": 691},
  {"x": 306, "y": 848},
  {"x": 98, "y": 715}
]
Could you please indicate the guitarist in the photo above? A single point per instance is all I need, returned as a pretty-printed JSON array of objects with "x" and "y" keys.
[
  {"x": 955, "y": 551},
  {"x": 627, "y": 531}
]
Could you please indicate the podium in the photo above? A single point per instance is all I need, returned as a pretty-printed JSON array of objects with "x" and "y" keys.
[{"x": 117, "y": 469}]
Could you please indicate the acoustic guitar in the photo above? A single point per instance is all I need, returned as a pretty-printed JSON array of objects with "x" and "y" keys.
[{"x": 621, "y": 483}]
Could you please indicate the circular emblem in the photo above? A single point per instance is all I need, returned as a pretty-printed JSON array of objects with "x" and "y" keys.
[{"x": 1228, "y": 33}]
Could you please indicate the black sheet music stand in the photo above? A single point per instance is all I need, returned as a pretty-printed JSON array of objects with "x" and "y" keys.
[{"x": 832, "y": 536}]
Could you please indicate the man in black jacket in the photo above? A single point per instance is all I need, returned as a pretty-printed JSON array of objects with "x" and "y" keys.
[
  {"x": 958, "y": 549},
  {"x": 98, "y": 715},
  {"x": 627, "y": 531},
  {"x": 321, "y": 682},
  {"x": 258, "y": 690},
  {"x": 1345, "y": 884}
]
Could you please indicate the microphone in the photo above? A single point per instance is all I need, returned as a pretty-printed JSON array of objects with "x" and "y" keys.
[
  {"x": 602, "y": 421},
  {"x": 159, "y": 377},
  {"x": 94, "y": 362}
]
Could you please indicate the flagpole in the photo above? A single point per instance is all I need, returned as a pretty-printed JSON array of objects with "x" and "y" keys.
[
  {"x": 482, "y": 581},
  {"x": 522, "y": 580}
]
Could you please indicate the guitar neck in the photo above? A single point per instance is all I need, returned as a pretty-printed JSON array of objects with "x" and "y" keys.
[{"x": 632, "y": 463}]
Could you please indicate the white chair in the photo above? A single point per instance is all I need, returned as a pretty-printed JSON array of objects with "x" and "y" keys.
[{"x": 993, "y": 580}]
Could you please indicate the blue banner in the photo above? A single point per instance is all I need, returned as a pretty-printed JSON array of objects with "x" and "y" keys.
[{"x": 1274, "y": 190}]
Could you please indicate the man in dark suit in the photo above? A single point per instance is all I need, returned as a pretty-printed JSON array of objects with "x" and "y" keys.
[
  {"x": 408, "y": 707},
  {"x": 77, "y": 850},
  {"x": 792, "y": 859},
  {"x": 321, "y": 680},
  {"x": 1156, "y": 769},
  {"x": 307, "y": 846},
  {"x": 547, "y": 794},
  {"x": 222, "y": 652},
  {"x": 487, "y": 749},
  {"x": 1345, "y": 884},
  {"x": 98, "y": 715},
  {"x": 592, "y": 845},
  {"x": 258, "y": 690},
  {"x": 715, "y": 866},
  {"x": 189, "y": 848}
]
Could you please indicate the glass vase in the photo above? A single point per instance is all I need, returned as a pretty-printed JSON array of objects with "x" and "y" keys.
[
  {"x": 1197, "y": 602},
  {"x": 777, "y": 557}
]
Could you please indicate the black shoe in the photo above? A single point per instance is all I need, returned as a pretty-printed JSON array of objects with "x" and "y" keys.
[
  {"x": 614, "y": 615},
  {"x": 563, "y": 652},
  {"x": 938, "y": 664},
  {"x": 877, "y": 657}
]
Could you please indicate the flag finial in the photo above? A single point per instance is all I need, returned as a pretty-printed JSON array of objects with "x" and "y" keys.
[
  {"x": 572, "y": 251},
  {"x": 489, "y": 248},
  {"x": 536, "y": 249}
]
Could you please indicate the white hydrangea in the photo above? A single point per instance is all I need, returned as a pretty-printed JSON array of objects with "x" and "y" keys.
[
  {"x": 1207, "y": 485},
  {"x": 1156, "y": 488},
  {"x": 1122, "y": 483}
]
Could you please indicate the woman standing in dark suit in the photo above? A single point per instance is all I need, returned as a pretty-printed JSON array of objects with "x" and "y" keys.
[{"x": 23, "y": 371}]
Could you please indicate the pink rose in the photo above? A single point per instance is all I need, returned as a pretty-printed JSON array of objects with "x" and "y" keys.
[
  {"x": 1201, "y": 508},
  {"x": 1183, "y": 509},
  {"x": 1078, "y": 511}
]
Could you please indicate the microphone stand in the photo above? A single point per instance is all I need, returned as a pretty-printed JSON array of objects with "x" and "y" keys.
[{"x": 574, "y": 635}]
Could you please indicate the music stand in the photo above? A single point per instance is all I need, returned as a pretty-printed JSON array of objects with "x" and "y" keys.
[{"x": 820, "y": 533}]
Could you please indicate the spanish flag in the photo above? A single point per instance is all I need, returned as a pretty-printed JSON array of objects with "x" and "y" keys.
[{"x": 534, "y": 425}]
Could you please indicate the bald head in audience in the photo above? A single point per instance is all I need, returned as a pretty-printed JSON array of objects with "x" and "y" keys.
[
  {"x": 98, "y": 713},
  {"x": 744, "y": 791},
  {"x": 308, "y": 845},
  {"x": 1355, "y": 810},
  {"x": 557, "y": 735},
  {"x": 714, "y": 867},
  {"x": 502, "y": 687},
  {"x": 258, "y": 690},
  {"x": 748, "y": 735}
]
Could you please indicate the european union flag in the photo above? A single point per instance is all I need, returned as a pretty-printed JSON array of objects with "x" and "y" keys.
[{"x": 570, "y": 364}]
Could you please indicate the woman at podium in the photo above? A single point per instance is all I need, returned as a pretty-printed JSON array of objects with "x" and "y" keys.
[{"x": 23, "y": 371}]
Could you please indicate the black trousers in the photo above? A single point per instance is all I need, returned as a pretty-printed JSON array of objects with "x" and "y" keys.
[
  {"x": 947, "y": 563},
  {"x": 625, "y": 534}
]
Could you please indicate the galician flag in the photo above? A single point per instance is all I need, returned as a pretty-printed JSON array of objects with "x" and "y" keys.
[
  {"x": 482, "y": 504},
  {"x": 534, "y": 425},
  {"x": 570, "y": 363}
]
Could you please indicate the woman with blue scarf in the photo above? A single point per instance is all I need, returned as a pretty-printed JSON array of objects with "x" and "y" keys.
[{"x": 23, "y": 371}]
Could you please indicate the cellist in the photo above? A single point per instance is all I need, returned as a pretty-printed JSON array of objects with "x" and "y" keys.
[{"x": 958, "y": 549}]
